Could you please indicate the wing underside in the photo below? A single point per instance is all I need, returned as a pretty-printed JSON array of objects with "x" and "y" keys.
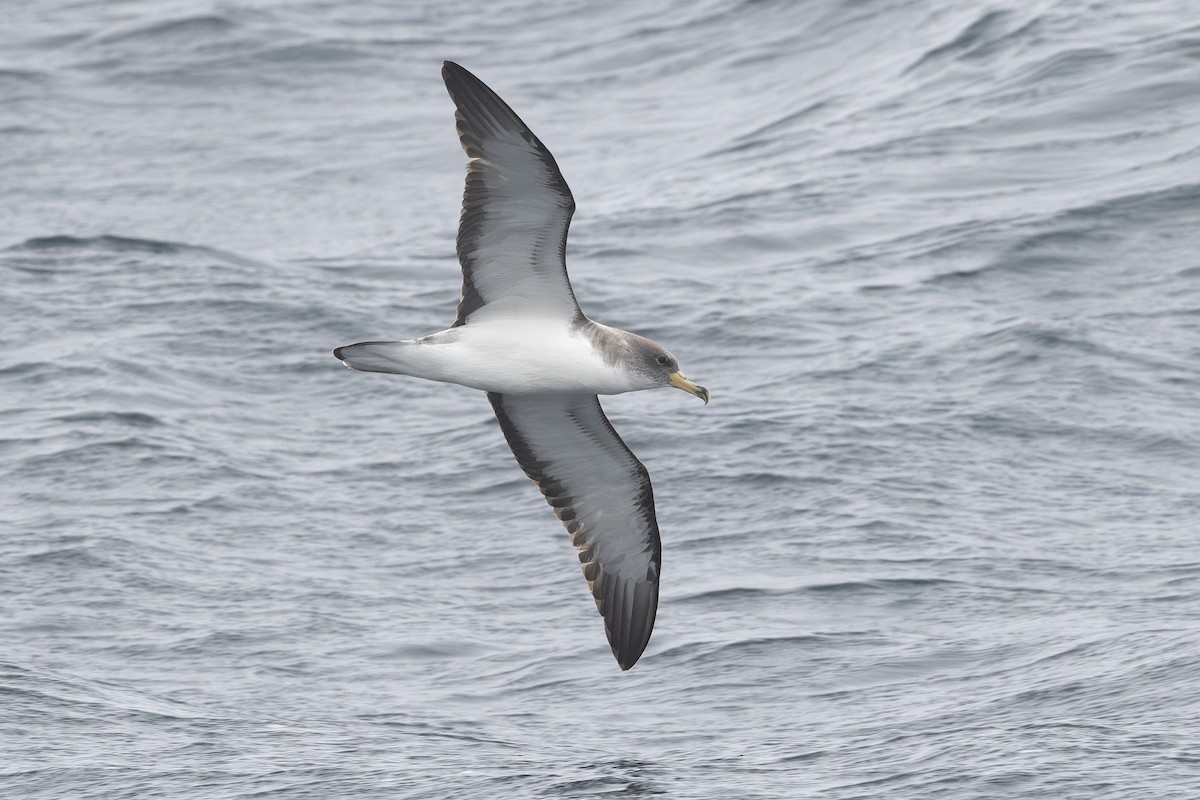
[
  {"x": 512, "y": 233},
  {"x": 602, "y": 494}
]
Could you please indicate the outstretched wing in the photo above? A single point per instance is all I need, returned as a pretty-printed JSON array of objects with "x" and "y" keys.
[
  {"x": 512, "y": 234},
  {"x": 602, "y": 494}
]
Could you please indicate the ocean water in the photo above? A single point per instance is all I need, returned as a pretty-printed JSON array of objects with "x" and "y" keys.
[{"x": 935, "y": 537}]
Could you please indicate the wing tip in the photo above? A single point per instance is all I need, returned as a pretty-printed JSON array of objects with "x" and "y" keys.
[
  {"x": 479, "y": 110},
  {"x": 627, "y": 661},
  {"x": 630, "y": 624},
  {"x": 628, "y": 656},
  {"x": 458, "y": 79},
  {"x": 450, "y": 70}
]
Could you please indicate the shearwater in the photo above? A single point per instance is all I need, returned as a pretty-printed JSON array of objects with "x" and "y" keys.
[{"x": 520, "y": 336}]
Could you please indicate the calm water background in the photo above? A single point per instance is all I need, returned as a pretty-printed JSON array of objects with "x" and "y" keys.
[{"x": 935, "y": 537}]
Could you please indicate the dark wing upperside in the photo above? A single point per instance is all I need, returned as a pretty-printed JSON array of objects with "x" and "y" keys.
[
  {"x": 602, "y": 494},
  {"x": 512, "y": 233}
]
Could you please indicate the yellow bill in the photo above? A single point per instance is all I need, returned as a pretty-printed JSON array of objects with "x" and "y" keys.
[{"x": 680, "y": 382}]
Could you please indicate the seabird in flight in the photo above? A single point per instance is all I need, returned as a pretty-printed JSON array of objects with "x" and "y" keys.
[{"x": 521, "y": 337}]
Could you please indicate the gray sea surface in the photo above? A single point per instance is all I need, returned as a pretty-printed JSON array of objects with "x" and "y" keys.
[{"x": 935, "y": 537}]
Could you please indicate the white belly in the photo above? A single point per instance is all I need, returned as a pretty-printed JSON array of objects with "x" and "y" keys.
[{"x": 518, "y": 357}]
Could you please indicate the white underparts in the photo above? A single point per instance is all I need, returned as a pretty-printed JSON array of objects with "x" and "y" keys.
[{"x": 509, "y": 356}]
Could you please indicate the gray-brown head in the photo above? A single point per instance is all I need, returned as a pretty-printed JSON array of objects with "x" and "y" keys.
[{"x": 657, "y": 366}]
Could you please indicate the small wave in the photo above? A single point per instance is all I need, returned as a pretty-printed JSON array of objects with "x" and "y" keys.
[
  {"x": 49, "y": 694},
  {"x": 92, "y": 453},
  {"x": 1042, "y": 337},
  {"x": 733, "y": 593},
  {"x": 310, "y": 53},
  {"x": 22, "y": 368},
  {"x": 432, "y": 651},
  {"x": 115, "y": 244},
  {"x": 81, "y": 555},
  {"x": 607, "y": 785},
  {"x": 1065, "y": 248},
  {"x": 26, "y": 76},
  {"x": 1182, "y": 198},
  {"x": 692, "y": 650},
  {"x": 768, "y": 132},
  {"x": 772, "y": 642},
  {"x": 21, "y": 130},
  {"x": 881, "y": 585},
  {"x": 103, "y": 242},
  {"x": 1068, "y": 64},
  {"x": 203, "y": 26},
  {"x": 1076, "y": 236},
  {"x": 132, "y": 418},
  {"x": 984, "y": 30}
]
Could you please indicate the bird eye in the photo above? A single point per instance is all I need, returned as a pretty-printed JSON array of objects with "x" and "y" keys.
[{"x": 662, "y": 360}]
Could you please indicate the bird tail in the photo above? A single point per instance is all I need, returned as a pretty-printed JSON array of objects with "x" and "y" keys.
[{"x": 377, "y": 357}]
